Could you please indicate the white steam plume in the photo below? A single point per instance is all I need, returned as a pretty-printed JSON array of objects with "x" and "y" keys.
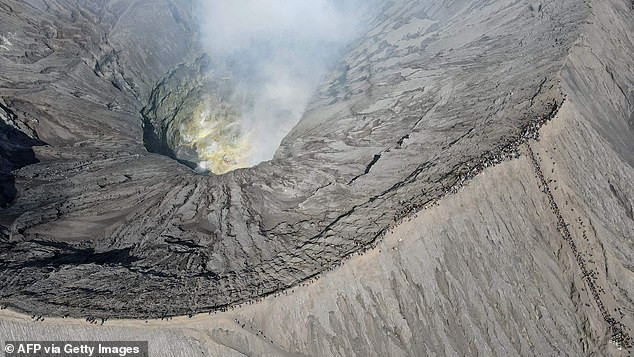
[{"x": 278, "y": 51}]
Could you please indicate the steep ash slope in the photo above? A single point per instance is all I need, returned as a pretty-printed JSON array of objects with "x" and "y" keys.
[
  {"x": 71, "y": 77},
  {"x": 432, "y": 94},
  {"x": 484, "y": 272}
]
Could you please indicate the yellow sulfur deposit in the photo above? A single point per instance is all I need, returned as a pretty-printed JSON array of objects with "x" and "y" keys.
[{"x": 215, "y": 133}]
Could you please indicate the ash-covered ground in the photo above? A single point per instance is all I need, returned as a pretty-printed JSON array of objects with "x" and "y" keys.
[{"x": 461, "y": 183}]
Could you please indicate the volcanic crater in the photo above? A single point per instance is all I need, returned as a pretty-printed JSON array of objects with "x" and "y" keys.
[{"x": 111, "y": 217}]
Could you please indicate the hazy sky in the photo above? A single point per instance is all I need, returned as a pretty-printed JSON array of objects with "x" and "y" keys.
[{"x": 279, "y": 49}]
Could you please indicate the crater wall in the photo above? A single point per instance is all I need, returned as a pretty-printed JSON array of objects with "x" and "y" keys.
[{"x": 432, "y": 95}]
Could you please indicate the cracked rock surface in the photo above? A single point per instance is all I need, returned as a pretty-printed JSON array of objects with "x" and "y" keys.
[{"x": 431, "y": 95}]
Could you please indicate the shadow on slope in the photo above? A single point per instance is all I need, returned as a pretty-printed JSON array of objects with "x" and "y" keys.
[{"x": 16, "y": 151}]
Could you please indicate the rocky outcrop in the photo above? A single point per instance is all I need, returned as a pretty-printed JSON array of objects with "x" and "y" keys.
[{"x": 432, "y": 95}]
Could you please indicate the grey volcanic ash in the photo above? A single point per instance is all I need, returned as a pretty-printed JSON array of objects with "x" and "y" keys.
[{"x": 321, "y": 128}]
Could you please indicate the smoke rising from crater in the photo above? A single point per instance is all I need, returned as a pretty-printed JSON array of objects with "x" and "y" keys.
[{"x": 278, "y": 51}]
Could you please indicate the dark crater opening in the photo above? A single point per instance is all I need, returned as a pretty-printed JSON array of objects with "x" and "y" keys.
[{"x": 193, "y": 116}]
